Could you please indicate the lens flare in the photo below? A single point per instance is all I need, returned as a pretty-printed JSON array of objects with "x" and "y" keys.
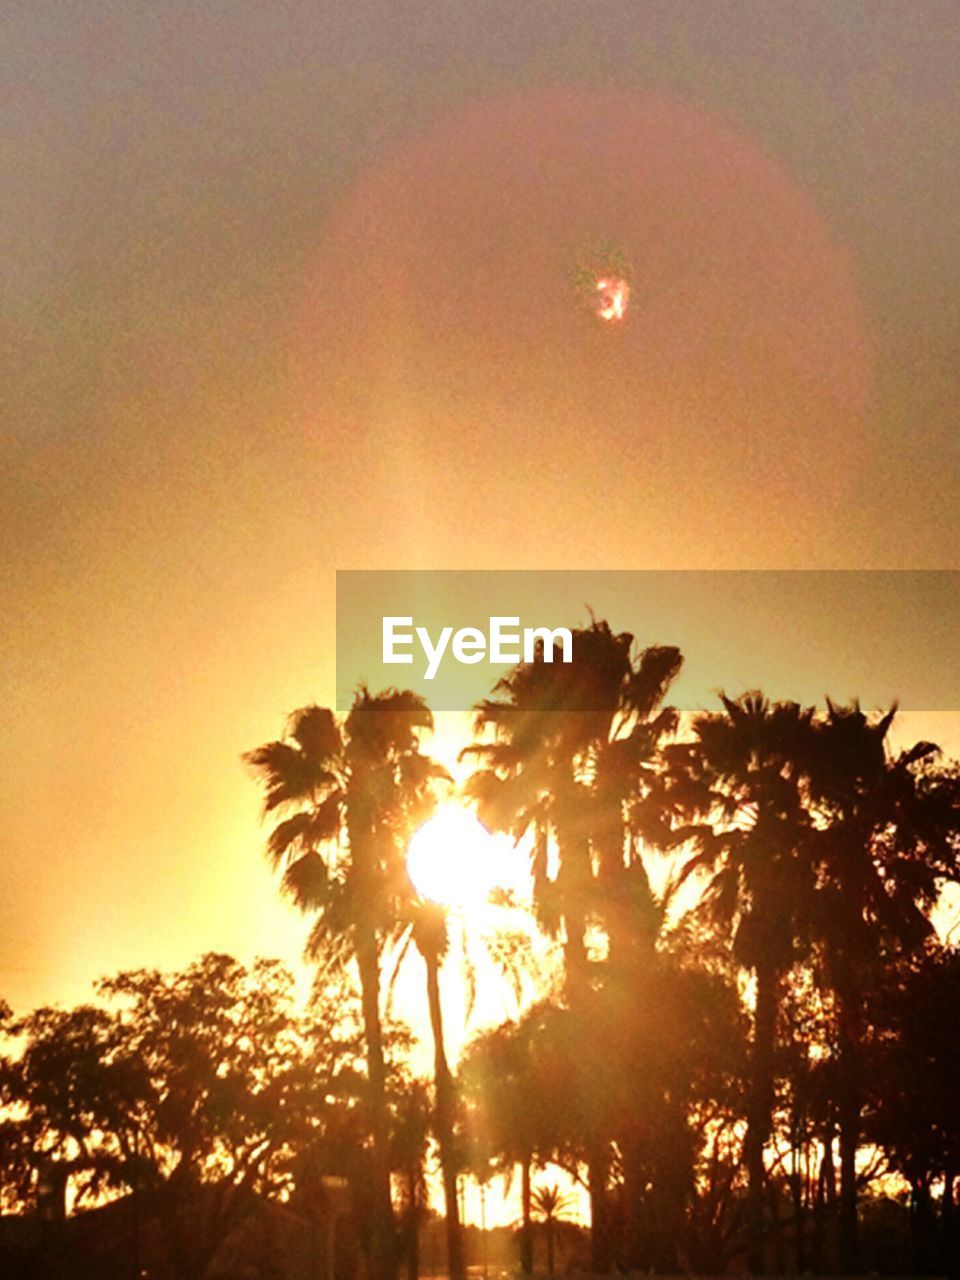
[{"x": 612, "y": 297}]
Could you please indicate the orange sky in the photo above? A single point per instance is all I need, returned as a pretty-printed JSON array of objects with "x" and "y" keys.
[{"x": 292, "y": 297}]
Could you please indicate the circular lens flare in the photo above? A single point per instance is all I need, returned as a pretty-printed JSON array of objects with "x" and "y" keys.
[{"x": 612, "y": 297}]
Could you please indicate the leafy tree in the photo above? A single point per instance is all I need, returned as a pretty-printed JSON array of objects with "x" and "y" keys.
[
  {"x": 913, "y": 1109},
  {"x": 67, "y": 1100},
  {"x": 189, "y": 1091},
  {"x": 806, "y": 1133},
  {"x": 684, "y": 1046}
]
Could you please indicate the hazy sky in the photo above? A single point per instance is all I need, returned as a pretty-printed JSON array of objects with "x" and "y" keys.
[{"x": 287, "y": 289}]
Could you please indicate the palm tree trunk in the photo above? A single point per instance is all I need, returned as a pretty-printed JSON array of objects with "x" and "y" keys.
[
  {"x": 574, "y": 959},
  {"x": 799, "y": 1211},
  {"x": 849, "y": 1106},
  {"x": 413, "y": 1225},
  {"x": 598, "y": 1155},
  {"x": 760, "y": 1109},
  {"x": 383, "y": 1244},
  {"x": 634, "y": 1255},
  {"x": 550, "y": 1228},
  {"x": 598, "y": 1168},
  {"x": 574, "y": 869},
  {"x": 443, "y": 1083},
  {"x": 948, "y": 1224},
  {"x": 526, "y": 1230},
  {"x": 673, "y": 1189}
]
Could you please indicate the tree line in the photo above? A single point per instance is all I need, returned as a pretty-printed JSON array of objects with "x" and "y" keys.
[{"x": 748, "y": 1060}]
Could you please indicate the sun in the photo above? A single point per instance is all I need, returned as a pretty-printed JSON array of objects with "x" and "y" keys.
[{"x": 454, "y": 860}]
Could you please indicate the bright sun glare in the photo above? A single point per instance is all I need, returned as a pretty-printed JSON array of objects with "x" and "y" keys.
[{"x": 455, "y": 860}]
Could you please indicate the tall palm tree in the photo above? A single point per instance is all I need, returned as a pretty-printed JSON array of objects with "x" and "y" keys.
[
  {"x": 735, "y": 793},
  {"x": 561, "y": 749},
  {"x": 886, "y": 840},
  {"x": 430, "y": 936},
  {"x": 344, "y": 794},
  {"x": 425, "y": 925}
]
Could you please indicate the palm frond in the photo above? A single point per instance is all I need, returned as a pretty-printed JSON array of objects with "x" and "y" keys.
[
  {"x": 316, "y": 731},
  {"x": 289, "y": 775},
  {"x": 306, "y": 882},
  {"x": 305, "y": 830}
]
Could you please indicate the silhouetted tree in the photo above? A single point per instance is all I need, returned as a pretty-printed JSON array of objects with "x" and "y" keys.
[
  {"x": 887, "y": 839},
  {"x": 512, "y": 1122},
  {"x": 410, "y": 1139},
  {"x": 346, "y": 795},
  {"x": 913, "y": 1104},
  {"x": 189, "y": 1091},
  {"x": 807, "y": 1077},
  {"x": 429, "y": 932},
  {"x": 69, "y": 1102},
  {"x": 550, "y": 1206},
  {"x": 562, "y": 746},
  {"x": 736, "y": 793}
]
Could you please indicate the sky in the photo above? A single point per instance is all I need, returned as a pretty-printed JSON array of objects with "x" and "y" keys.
[{"x": 287, "y": 289}]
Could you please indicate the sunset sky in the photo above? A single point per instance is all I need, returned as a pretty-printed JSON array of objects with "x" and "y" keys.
[{"x": 288, "y": 289}]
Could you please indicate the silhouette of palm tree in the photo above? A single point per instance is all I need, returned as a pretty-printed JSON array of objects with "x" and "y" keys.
[
  {"x": 736, "y": 793},
  {"x": 886, "y": 840},
  {"x": 430, "y": 936},
  {"x": 564, "y": 749},
  {"x": 344, "y": 794},
  {"x": 562, "y": 752},
  {"x": 550, "y": 1205},
  {"x": 425, "y": 925}
]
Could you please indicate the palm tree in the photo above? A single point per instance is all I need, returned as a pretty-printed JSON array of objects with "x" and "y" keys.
[
  {"x": 886, "y": 840},
  {"x": 620, "y": 764},
  {"x": 429, "y": 934},
  {"x": 411, "y": 1133},
  {"x": 562, "y": 749},
  {"x": 508, "y": 1123},
  {"x": 344, "y": 794},
  {"x": 425, "y": 925},
  {"x": 550, "y": 1205},
  {"x": 736, "y": 794}
]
